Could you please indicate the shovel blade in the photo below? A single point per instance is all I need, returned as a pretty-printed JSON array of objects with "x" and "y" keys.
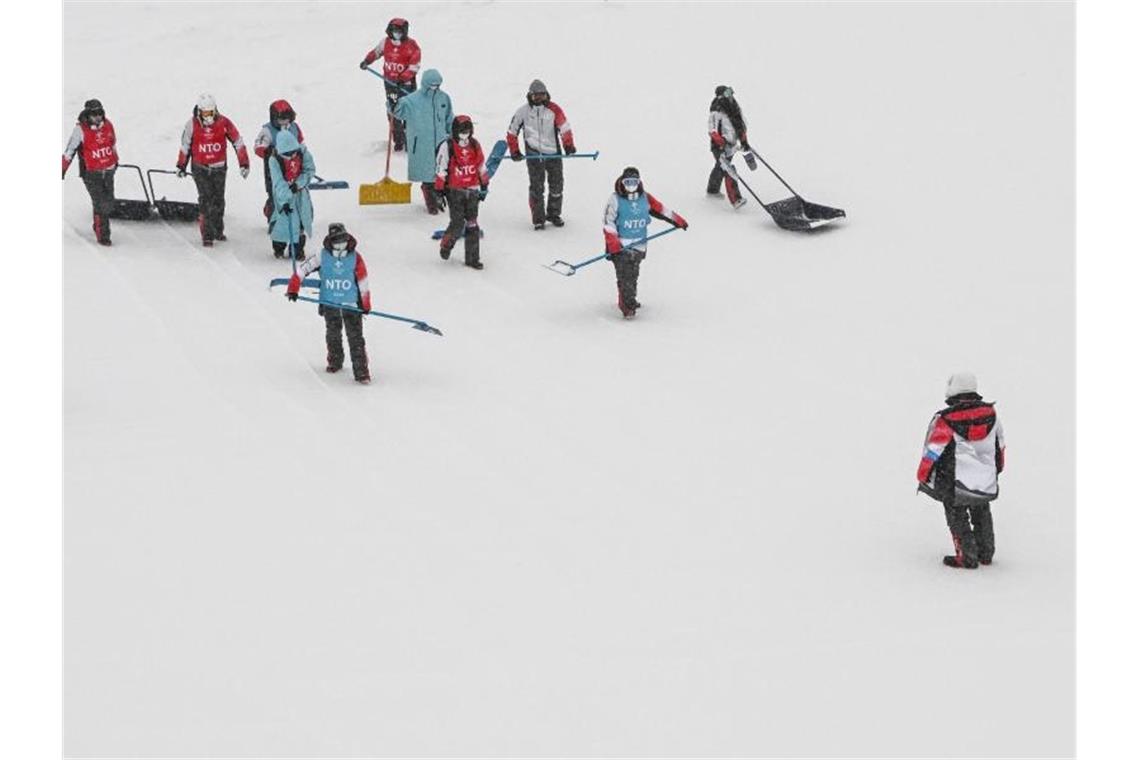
[{"x": 386, "y": 190}]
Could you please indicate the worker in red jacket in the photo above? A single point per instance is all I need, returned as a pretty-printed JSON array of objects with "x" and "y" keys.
[
  {"x": 94, "y": 140},
  {"x": 204, "y": 148},
  {"x": 461, "y": 182},
  {"x": 401, "y": 62}
]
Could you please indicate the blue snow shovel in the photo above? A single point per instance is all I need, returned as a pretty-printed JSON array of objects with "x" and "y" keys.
[{"x": 566, "y": 269}]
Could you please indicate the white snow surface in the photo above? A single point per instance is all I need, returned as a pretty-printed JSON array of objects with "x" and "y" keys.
[{"x": 553, "y": 532}]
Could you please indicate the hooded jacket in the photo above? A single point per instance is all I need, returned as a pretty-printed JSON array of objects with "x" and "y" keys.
[
  {"x": 427, "y": 116},
  {"x": 964, "y": 452},
  {"x": 281, "y": 175}
]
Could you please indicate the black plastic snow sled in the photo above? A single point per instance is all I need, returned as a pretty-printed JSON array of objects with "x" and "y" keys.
[
  {"x": 792, "y": 213},
  {"x": 171, "y": 211},
  {"x": 136, "y": 210}
]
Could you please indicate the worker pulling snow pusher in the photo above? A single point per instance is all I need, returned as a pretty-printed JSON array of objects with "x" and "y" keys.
[{"x": 792, "y": 213}]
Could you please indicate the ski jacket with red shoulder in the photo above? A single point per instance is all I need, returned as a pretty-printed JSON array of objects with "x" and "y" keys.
[
  {"x": 401, "y": 61},
  {"x": 542, "y": 126},
  {"x": 206, "y": 145},
  {"x": 460, "y": 167},
  {"x": 964, "y": 451},
  {"x": 95, "y": 146},
  {"x": 625, "y": 222},
  {"x": 313, "y": 263}
]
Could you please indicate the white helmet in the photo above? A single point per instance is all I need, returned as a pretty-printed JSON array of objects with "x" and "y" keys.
[
  {"x": 206, "y": 102},
  {"x": 961, "y": 382}
]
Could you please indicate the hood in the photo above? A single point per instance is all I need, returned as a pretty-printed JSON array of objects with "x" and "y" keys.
[
  {"x": 327, "y": 244},
  {"x": 286, "y": 142},
  {"x": 432, "y": 77}
]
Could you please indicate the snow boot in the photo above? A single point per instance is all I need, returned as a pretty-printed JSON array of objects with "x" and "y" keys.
[
  {"x": 953, "y": 560},
  {"x": 221, "y": 238},
  {"x": 555, "y": 220},
  {"x": 540, "y": 225},
  {"x": 475, "y": 264},
  {"x": 739, "y": 202}
]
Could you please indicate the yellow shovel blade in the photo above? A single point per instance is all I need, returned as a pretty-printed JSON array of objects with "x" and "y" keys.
[{"x": 386, "y": 190}]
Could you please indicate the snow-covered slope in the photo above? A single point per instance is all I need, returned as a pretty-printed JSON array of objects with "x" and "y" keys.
[{"x": 553, "y": 532}]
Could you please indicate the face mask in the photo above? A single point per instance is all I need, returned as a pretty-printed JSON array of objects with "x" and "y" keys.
[
  {"x": 284, "y": 123},
  {"x": 433, "y": 86},
  {"x": 95, "y": 120},
  {"x": 340, "y": 249},
  {"x": 464, "y": 136},
  {"x": 207, "y": 117},
  {"x": 397, "y": 36}
]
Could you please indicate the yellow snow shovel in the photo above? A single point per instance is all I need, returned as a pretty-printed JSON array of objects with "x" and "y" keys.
[{"x": 386, "y": 190}]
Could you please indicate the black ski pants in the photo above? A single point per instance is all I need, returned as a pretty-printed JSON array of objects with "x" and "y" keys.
[
  {"x": 717, "y": 175},
  {"x": 352, "y": 324},
  {"x": 463, "y": 206},
  {"x": 627, "y": 265},
  {"x": 543, "y": 173},
  {"x": 101, "y": 187},
  {"x": 972, "y": 529},
  {"x": 393, "y": 94},
  {"x": 211, "y": 183}
]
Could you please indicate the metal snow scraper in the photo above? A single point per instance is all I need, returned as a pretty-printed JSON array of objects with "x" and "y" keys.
[
  {"x": 137, "y": 210},
  {"x": 790, "y": 213},
  {"x": 171, "y": 211}
]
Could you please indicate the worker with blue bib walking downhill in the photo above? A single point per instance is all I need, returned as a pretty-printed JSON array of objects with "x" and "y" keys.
[
  {"x": 344, "y": 282},
  {"x": 291, "y": 169},
  {"x": 625, "y": 228},
  {"x": 426, "y": 115}
]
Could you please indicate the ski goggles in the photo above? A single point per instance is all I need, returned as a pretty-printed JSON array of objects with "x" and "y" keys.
[
  {"x": 728, "y": 93},
  {"x": 631, "y": 184},
  {"x": 339, "y": 248},
  {"x": 397, "y": 34}
]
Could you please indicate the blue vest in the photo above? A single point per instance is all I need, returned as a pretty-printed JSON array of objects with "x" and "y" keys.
[
  {"x": 338, "y": 279},
  {"x": 632, "y": 219}
]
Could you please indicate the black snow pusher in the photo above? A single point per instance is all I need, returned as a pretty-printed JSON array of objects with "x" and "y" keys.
[
  {"x": 137, "y": 210},
  {"x": 171, "y": 211},
  {"x": 792, "y": 213}
]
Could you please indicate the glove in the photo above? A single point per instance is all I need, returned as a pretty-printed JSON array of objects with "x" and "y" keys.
[
  {"x": 286, "y": 209},
  {"x": 516, "y": 156},
  {"x": 363, "y": 65},
  {"x": 681, "y": 222},
  {"x": 571, "y": 150},
  {"x": 750, "y": 159},
  {"x": 482, "y": 192},
  {"x": 441, "y": 198},
  {"x": 181, "y": 171},
  {"x": 291, "y": 296},
  {"x": 293, "y": 188},
  {"x": 244, "y": 172}
]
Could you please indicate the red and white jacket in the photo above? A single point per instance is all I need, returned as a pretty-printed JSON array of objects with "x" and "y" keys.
[
  {"x": 98, "y": 148},
  {"x": 460, "y": 167},
  {"x": 206, "y": 146},
  {"x": 401, "y": 59},
  {"x": 541, "y": 126},
  {"x": 723, "y": 134},
  {"x": 964, "y": 452},
  {"x": 313, "y": 263}
]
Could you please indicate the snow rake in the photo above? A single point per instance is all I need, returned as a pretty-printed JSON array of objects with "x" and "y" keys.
[
  {"x": 171, "y": 211},
  {"x": 135, "y": 210},
  {"x": 792, "y": 213},
  {"x": 417, "y": 324},
  {"x": 566, "y": 269}
]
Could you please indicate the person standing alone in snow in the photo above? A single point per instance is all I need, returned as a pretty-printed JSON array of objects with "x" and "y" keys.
[
  {"x": 727, "y": 134},
  {"x": 281, "y": 118},
  {"x": 291, "y": 169},
  {"x": 344, "y": 282},
  {"x": 94, "y": 140},
  {"x": 461, "y": 182},
  {"x": 204, "y": 148},
  {"x": 543, "y": 124},
  {"x": 427, "y": 116},
  {"x": 963, "y": 454},
  {"x": 625, "y": 229},
  {"x": 401, "y": 56}
]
